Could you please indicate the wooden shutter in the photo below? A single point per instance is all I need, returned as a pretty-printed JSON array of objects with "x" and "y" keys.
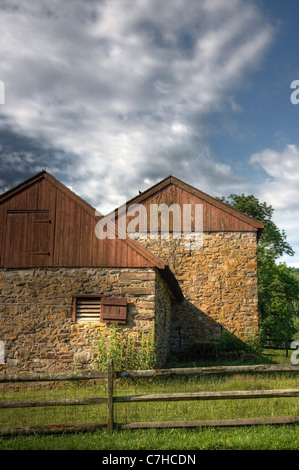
[
  {"x": 114, "y": 310},
  {"x": 87, "y": 309}
]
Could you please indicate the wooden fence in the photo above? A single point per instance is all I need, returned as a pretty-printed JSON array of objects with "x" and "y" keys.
[
  {"x": 111, "y": 375},
  {"x": 279, "y": 343}
]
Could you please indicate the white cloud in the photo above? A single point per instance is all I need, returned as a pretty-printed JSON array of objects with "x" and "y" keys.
[
  {"x": 281, "y": 190},
  {"x": 280, "y": 164},
  {"x": 124, "y": 92}
]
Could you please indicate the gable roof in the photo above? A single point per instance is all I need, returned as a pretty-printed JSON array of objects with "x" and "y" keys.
[
  {"x": 138, "y": 252},
  {"x": 154, "y": 261},
  {"x": 172, "y": 180},
  {"x": 47, "y": 176}
]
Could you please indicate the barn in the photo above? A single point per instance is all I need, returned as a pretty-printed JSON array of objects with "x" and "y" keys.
[
  {"x": 219, "y": 279},
  {"x": 60, "y": 283}
]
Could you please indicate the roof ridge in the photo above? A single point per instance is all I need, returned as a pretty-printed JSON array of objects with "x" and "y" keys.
[
  {"x": 91, "y": 210},
  {"x": 219, "y": 204},
  {"x": 48, "y": 176},
  {"x": 191, "y": 189}
]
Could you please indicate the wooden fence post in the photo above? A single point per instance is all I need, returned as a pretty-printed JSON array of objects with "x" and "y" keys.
[
  {"x": 287, "y": 347},
  {"x": 110, "y": 397}
]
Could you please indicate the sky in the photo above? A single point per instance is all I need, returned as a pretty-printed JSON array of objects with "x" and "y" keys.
[{"x": 112, "y": 96}]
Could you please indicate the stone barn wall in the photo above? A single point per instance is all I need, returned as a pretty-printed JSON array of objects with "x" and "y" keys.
[
  {"x": 163, "y": 320},
  {"x": 219, "y": 282},
  {"x": 35, "y": 314}
]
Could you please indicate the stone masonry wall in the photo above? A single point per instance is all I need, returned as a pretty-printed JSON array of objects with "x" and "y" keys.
[
  {"x": 219, "y": 282},
  {"x": 35, "y": 314},
  {"x": 162, "y": 321}
]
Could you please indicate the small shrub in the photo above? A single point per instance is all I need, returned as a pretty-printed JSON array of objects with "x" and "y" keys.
[
  {"x": 127, "y": 352},
  {"x": 229, "y": 343},
  {"x": 228, "y": 347}
]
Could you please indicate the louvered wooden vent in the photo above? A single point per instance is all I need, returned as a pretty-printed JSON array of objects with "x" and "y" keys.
[
  {"x": 87, "y": 309},
  {"x": 99, "y": 309}
]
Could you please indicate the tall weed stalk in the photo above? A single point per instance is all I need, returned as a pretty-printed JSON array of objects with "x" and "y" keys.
[{"x": 127, "y": 352}]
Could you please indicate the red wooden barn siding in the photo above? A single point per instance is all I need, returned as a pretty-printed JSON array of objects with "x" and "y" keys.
[
  {"x": 71, "y": 231},
  {"x": 214, "y": 218}
]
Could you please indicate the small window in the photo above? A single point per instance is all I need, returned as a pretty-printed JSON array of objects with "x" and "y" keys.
[
  {"x": 86, "y": 309},
  {"x": 95, "y": 309}
]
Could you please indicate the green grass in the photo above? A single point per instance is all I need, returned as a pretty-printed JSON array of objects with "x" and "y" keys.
[
  {"x": 254, "y": 437},
  {"x": 249, "y": 438},
  {"x": 277, "y": 356},
  {"x": 268, "y": 356}
]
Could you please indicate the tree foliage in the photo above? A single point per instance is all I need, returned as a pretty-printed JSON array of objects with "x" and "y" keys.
[
  {"x": 273, "y": 241},
  {"x": 278, "y": 283}
]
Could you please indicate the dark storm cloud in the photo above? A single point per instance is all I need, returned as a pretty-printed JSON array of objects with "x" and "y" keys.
[
  {"x": 115, "y": 97},
  {"x": 22, "y": 157}
]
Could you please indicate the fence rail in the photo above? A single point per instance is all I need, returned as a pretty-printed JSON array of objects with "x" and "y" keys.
[
  {"x": 111, "y": 399},
  {"x": 192, "y": 371},
  {"x": 283, "y": 344},
  {"x": 208, "y": 396}
]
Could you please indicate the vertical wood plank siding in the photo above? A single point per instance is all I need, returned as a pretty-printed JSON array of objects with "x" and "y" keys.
[
  {"x": 71, "y": 238},
  {"x": 214, "y": 219}
]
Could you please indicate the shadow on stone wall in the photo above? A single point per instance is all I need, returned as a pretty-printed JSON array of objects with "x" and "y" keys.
[
  {"x": 196, "y": 336},
  {"x": 189, "y": 325}
]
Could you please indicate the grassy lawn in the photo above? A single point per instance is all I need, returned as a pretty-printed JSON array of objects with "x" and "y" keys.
[
  {"x": 284, "y": 437},
  {"x": 251, "y": 438}
]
